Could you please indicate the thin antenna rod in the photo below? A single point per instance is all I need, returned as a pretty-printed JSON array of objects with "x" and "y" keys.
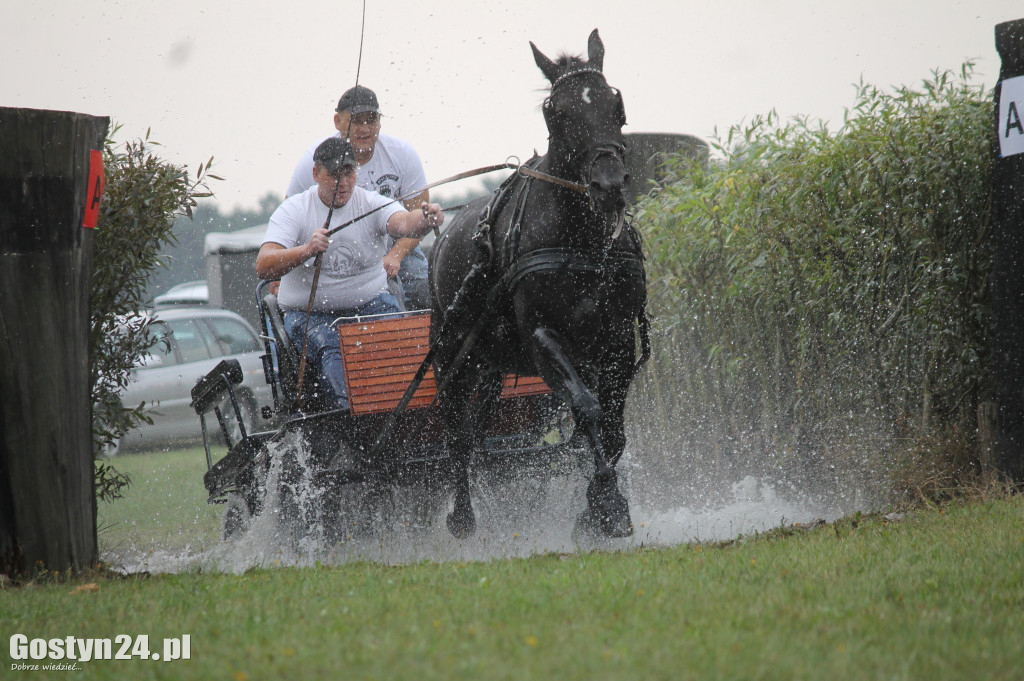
[
  {"x": 362, "y": 34},
  {"x": 327, "y": 225},
  {"x": 359, "y": 68}
]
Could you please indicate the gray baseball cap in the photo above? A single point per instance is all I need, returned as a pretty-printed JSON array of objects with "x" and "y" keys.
[
  {"x": 334, "y": 154},
  {"x": 358, "y": 100}
]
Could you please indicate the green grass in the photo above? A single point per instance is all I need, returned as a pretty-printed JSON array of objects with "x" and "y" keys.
[
  {"x": 939, "y": 595},
  {"x": 164, "y": 508}
]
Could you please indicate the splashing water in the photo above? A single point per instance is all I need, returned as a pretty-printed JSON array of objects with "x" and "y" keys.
[{"x": 521, "y": 512}]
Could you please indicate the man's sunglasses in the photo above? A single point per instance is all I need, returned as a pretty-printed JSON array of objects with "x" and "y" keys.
[{"x": 366, "y": 119}]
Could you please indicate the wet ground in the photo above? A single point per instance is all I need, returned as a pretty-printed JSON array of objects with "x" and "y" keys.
[{"x": 517, "y": 515}]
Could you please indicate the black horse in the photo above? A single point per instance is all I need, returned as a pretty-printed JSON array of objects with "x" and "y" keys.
[{"x": 545, "y": 278}]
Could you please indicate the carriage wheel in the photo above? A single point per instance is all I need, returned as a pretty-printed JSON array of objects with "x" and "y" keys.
[
  {"x": 237, "y": 516},
  {"x": 290, "y": 507},
  {"x": 428, "y": 498},
  {"x": 378, "y": 509}
]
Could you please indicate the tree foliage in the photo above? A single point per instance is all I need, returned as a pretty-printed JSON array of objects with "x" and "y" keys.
[
  {"x": 183, "y": 257},
  {"x": 825, "y": 295},
  {"x": 144, "y": 194}
]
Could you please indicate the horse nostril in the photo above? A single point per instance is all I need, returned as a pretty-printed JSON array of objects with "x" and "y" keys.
[{"x": 626, "y": 179}]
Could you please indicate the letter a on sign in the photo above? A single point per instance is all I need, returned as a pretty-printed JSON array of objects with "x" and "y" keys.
[
  {"x": 1011, "y": 123},
  {"x": 94, "y": 194}
]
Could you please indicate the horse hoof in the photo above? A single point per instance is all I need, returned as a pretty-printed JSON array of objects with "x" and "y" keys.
[
  {"x": 617, "y": 525},
  {"x": 461, "y": 525},
  {"x": 609, "y": 506},
  {"x": 587, "y": 527}
]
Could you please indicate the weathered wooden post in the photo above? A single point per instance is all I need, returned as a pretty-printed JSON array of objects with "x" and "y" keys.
[
  {"x": 1008, "y": 265},
  {"x": 50, "y": 187}
]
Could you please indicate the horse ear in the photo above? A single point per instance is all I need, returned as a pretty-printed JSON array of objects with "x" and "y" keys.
[
  {"x": 595, "y": 51},
  {"x": 547, "y": 67}
]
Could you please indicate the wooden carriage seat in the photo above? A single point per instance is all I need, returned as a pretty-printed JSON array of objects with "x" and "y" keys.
[{"x": 381, "y": 357}]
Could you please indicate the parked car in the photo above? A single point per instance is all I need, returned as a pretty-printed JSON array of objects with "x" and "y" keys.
[
  {"x": 190, "y": 293},
  {"x": 199, "y": 338}
]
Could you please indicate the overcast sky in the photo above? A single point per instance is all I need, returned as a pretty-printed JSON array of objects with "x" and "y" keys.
[{"x": 255, "y": 83}]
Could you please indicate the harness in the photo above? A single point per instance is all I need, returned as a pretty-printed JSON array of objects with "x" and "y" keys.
[
  {"x": 485, "y": 292},
  {"x": 614, "y": 265},
  {"x": 610, "y": 265}
]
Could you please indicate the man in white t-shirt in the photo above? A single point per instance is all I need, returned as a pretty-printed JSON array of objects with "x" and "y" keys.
[
  {"x": 388, "y": 166},
  {"x": 352, "y": 281}
]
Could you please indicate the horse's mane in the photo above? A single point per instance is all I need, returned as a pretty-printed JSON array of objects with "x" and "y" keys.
[{"x": 568, "y": 62}]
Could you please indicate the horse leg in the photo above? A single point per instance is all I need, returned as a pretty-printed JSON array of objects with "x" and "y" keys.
[
  {"x": 487, "y": 399},
  {"x": 603, "y": 492},
  {"x": 457, "y": 414},
  {"x": 469, "y": 420},
  {"x": 606, "y": 505}
]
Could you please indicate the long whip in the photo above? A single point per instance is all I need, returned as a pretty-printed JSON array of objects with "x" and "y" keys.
[{"x": 330, "y": 214}]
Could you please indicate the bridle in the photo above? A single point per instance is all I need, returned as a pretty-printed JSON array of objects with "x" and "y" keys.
[{"x": 589, "y": 157}]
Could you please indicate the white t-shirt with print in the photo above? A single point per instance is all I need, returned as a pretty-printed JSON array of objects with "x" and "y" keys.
[
  {"x": 394, "y": 170},
  {"x": 351, "y": 273}
]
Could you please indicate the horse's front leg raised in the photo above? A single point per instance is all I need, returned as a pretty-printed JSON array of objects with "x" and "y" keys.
[{"x": 606, "y": 504}]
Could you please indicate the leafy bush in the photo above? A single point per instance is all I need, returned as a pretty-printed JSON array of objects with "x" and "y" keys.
[
  {"x": 143, "y": 196},
  {"x": 822, "y": 298}
]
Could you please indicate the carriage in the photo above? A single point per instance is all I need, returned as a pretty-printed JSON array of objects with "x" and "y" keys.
[
  {"x": 323, "y": 451},
  {"x": 538, "y": 302}
]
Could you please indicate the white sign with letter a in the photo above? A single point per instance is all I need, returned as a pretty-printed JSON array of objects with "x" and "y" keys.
[{"x": 1011, "y": 117}]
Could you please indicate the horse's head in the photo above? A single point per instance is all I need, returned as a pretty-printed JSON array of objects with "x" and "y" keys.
[{"x": 585, "y": 116}]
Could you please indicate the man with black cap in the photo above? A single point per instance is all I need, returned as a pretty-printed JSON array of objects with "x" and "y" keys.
[
  {"x": 352, "y": 281},
  {"x": 388, "y": 166}
]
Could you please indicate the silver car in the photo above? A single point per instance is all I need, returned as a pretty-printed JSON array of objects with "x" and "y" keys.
[{"x": 200, "y": 337}]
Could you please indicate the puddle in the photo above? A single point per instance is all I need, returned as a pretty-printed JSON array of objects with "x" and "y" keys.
[{"x": 518, "y": 515}]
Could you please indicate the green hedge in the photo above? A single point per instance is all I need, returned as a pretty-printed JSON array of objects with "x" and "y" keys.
[
  {"x": 821, "y": 298},
  {"x": 144, "y": 194}
]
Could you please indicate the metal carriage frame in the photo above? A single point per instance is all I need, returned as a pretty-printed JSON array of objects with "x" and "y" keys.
[{"x": 381, "y": 355}]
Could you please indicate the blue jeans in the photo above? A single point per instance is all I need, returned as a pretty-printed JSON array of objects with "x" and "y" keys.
[
  {"x": 324, "y": 349},
  {"x": 413, "y": 275}
]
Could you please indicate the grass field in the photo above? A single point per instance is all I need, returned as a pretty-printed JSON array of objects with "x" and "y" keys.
[
  {"x": 164, "y": 509},
  {"x": 938, "y": 594}
]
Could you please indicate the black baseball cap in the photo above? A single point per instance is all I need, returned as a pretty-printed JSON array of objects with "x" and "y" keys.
[
  {"x": 358, "y": 100},
  {"x": 334, "y": 154}
]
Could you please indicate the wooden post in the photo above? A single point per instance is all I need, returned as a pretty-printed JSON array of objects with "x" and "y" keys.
[
  {"x": 47, "y": 497},
  {"x": 987, "y": 438},
  {"x": 1008, "y": 264}
]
